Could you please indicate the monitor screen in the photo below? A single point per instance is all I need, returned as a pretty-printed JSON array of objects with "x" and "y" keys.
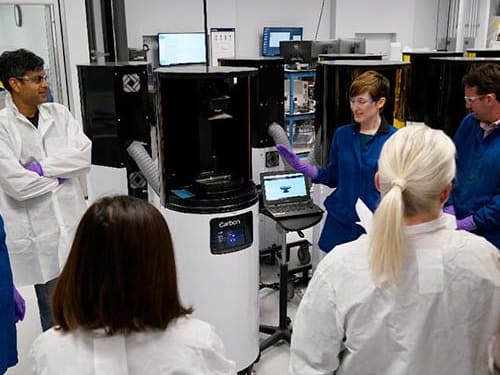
[
  {"x": 296, "y": 51},
  {"x": 281, "y": 187},
  {"x": 181, "y": 48},
  {"x": 272, "y": 36},
  {"x": 352, "y": 45},
  {"x": 303, "y": 51}
]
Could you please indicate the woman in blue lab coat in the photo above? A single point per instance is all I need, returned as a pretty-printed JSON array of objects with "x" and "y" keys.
[
  {"x": 11, "y": 309},
  {"x": 352, "y": 161}
]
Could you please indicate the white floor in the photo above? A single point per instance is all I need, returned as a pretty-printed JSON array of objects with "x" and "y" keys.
[{"x": 273, "y": 361}]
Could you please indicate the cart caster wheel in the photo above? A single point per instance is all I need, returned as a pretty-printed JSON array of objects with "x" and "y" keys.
[
  {"x": 290, "y": 291},
  {"x": 304, "y": 255}
]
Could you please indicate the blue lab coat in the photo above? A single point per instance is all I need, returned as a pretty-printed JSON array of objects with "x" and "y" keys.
[
  {"x": 8, "y": 344},
  {"x": 476, "y": 189},
  {"x": 351, "y": 171}
]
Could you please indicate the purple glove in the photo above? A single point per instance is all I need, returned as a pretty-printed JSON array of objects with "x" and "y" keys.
[
  {"x": 34, "y": 167},
  {"x": 37, "y": 168},
  {"x": 467, "y": 223},
  {"x": 19, "y": 305},
  {"x": 449, "y": 210},
  {"x": 294, "y": 161}
]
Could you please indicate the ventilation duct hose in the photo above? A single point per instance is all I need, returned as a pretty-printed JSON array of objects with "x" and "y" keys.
[
  {"x": 146, "y": 165},
  {"x": 314, "y": 156},
  {"x": 278, "y": 134}
]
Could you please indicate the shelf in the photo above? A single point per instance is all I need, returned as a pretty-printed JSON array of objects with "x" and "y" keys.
[
  {"x": 300, "y": 116},
  {"x": 302, "y": 151},
  {"x": 297, "y": 74},
  {"x": 291, "y": 116}
]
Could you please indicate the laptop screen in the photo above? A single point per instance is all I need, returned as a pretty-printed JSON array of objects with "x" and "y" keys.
[{"x": 282, "y": 187}]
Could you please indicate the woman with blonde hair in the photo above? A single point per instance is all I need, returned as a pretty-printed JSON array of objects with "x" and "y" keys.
[{"x": 414, "y": 296}]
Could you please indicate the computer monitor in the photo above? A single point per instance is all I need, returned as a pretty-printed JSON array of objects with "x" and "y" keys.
[
  {"x": 296, "y": 51},
  {"x": 303, "y": 51},
  {"x": 352, "y": 45},
  {"x": 181, "y": 48},
  {"x": 272, "y": 36}
]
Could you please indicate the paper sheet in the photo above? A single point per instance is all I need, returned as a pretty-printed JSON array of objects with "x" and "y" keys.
[{"x": 365, "y": 215}]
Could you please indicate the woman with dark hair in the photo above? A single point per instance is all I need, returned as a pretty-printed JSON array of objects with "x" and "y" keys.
[{"x": 116, "y": 304}]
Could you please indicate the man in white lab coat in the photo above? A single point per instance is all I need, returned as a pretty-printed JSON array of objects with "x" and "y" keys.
[{"x": 43, "y": 151}]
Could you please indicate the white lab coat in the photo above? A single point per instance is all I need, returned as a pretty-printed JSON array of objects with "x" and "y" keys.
[
  {"x": 438, "y": 320},
  {"x": 40, "y": 215},
  {"x": 187, "y": 347}
]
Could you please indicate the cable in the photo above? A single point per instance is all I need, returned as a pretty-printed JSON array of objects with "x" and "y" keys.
[
  {"x": 206, "y": 32},
  {"x": 438, "y": 10},
  {"x": 319, "y": 20},
  {"x": 446, "y": 38}
]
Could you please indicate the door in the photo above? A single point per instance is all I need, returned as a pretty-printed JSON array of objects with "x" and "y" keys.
[{"x": 36, "y": 26}]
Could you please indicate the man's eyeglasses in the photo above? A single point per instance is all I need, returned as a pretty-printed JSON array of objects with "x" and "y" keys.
[
  {"x": 35, "y": 79},
  {"x": 360, "y": 101},
  {"x": 471, "y": 99}
]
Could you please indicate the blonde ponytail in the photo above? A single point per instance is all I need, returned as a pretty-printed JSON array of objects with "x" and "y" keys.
[
  {"x": 387, "y": 247},
  {"x": 415, "y": 166}
]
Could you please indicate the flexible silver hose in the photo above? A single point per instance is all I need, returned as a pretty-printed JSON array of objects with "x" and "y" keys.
[
  {"x": 314, "y": 156},
  {"x": 278, "y": 134},
  {"x": 146, "y": 165}
]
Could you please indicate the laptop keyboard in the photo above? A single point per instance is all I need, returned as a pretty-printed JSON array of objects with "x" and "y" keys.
[{"x": 293, "y": 209}]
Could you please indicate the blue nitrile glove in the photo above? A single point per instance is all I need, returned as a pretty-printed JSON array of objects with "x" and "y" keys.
[
  {"x": 20, "y": 305},
  {"x": 467, "y": 223},
  {"x": 60, "y": 180},
  {"x": 34, "y": 167},
  {"x": 294, "y": 161},
  {"x": 449, "y": 210}
]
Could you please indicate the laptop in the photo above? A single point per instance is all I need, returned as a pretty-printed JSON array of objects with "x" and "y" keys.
[{"x": 285, "y": 195}]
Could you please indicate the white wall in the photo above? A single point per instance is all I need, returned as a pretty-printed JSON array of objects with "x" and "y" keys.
[
  {"x": 149, "y": 17},
  {"x": 252, "y": 16},
  {"x": 413, "y": 21},
  {"x": 425, "y": 24},
  {"x": 76, "y": 48},
  {"x": 248, "y": 17},
  {"x": 14, "y": 37}
]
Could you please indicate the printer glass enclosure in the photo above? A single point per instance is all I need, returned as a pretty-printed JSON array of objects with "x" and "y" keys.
[{"x": 204, "y": 137}]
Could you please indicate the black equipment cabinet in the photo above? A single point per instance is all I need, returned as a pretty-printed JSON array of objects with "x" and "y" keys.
[
  {"x": 116, "y": 110},
  {"x": 424, "y": 81},
  {"x": 484, "y": 52},
  {"x": 450, "y": 105}
]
